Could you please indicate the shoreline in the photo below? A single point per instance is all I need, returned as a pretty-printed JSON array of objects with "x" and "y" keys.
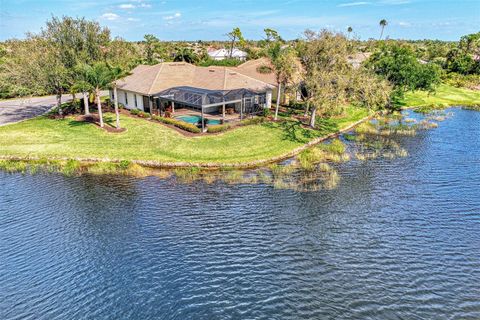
[
  {"x": 255, "y": 164},
  {"x": 201, "y": 165}
]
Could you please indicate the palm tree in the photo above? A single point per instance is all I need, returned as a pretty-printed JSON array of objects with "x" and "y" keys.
[
  {"x": 273, "y": 55},
  {"x": 81, "y": 85},
  {"x": 349, "y": 30},
  {"x": 383, "y": 23},
  {"x": 99, "y": 76},
  {"x": 284, "y": 62},
  {"x": 117, "y": 73}
]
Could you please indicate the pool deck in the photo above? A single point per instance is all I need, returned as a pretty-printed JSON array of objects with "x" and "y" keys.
[{"x": 216, "y": 116}]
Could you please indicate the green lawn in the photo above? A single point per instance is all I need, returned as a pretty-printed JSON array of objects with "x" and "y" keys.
[
  {"x": 444, "y": 95},
  {"x": 144, "y": 140}
]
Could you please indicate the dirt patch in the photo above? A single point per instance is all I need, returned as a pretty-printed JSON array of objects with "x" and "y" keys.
[{"x": 95, "y": 119}]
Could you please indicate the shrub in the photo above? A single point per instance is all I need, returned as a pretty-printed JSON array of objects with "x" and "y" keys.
[
  {"x": 179, "y": 124},
  {"x": 256, "y": 120},
  {"x": 143, "y": 114},
  {"x": 429, "y": 108},
  {"x": 336, "y": 147},
  {"x": 124, "y": 164},
  {"x": 218, "y": 128},
  {"x": 267, "y": 112},
  {"x": 264, "y": 69},
  {"x": 461, "y": 81},
  {"x": 134, "y": 112},
  {"x": 229, "y": 62}
]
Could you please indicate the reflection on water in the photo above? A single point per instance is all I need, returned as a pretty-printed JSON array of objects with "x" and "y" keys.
[{"x": 396, "y": 239}]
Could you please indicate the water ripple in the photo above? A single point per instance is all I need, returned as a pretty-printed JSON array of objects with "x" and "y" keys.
[{"x": 399, "y": 239}]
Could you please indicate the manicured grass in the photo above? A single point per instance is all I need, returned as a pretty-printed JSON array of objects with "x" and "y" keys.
[
  {"x": 445, "y": 95},
  {"x": 145, "y": 140}
]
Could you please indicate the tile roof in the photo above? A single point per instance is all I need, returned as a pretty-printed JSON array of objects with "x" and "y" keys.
[{"x": 153, "y": 79}]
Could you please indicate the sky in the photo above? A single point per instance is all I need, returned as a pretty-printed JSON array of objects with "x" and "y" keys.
[{"x": 212, "y": 19}]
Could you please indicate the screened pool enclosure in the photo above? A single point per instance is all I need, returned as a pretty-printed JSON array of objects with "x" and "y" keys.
[{"x": 245, "y": 102}]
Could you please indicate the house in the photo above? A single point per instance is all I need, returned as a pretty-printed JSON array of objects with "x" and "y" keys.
[
  {"x": 174, "y": 85},
  {"x": 262, "y": 69},
  {"x": 222, "y": 54},
  {"x": 357, "y": 59}
]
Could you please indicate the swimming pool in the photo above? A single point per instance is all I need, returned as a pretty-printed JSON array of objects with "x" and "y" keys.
[{"x": 196, "y": 119}]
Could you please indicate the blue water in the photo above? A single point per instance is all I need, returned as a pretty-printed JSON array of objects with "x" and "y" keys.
[
  {"x": 398, "y": 239},
  {"x": 196, "y": 119}
]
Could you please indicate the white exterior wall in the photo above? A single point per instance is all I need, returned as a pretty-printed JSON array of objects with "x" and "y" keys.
[
  {"x": 130, "y": 98},
  {"x": 269, "y": 99}
]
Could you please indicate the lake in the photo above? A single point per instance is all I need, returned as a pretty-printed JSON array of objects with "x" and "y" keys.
[{"x": 397, "y": 239}]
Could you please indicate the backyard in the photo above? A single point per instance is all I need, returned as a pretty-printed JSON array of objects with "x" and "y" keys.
[
  {"x": 444, "y": 95},
  {"x": 146, "y": 140}
]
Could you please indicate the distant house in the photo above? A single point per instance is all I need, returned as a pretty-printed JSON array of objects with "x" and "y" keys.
[
  {"x": 222, "y": 54},
  {"x": 357, "y": 59}
]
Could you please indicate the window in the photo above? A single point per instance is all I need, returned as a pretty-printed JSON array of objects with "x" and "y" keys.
[
  {"x": 113, "y": 95},
  {"x": 135, "y": 98},
  {"x": 126, "y": 98}
]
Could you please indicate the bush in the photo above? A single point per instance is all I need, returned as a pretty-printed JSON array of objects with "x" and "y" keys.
[
  {"x": 256, "y": 120},
  {"x": 143, "y": 114},
  {"x": 267, "y": 112},
  {"x": 460, "y": 81},
  {"x": 134, "y": 112},
  {"x": 179, "y": 124},
  {"x": 229, "y": 62},
  {"x": 218, "y": 128},
  {"x": 264, "y": 69}
]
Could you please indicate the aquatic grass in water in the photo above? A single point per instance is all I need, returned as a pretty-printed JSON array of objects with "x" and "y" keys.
[{"x": 309, "y": 171}]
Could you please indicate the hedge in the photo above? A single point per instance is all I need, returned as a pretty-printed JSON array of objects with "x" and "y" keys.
[
  {"x": 256, "y": 120},
  {"x": 179, "y": 124},
  {"x": 218, "y": 128}
]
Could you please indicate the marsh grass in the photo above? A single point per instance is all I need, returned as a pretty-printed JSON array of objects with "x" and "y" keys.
[
  {"x": 312, "y": 170},
  {"x": 74, "y": 168},
  {"x": 472, "y": 107}
]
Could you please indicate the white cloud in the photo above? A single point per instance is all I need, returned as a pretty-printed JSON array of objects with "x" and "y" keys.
[
  {"x": 395, "y": 2},
  {"x": 133, "y": 19},
  {"x": 354, "y": 4},
  {"x": 110, "y": 16},
  {"x": 139, "y": 4},
  {"x": 404, "y": 24},
  {"x": 127, "y": 6},
  {"x": 174, "y": 16}
]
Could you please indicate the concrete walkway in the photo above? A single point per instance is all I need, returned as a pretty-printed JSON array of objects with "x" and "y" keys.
[{"x": 16, "y": 110}]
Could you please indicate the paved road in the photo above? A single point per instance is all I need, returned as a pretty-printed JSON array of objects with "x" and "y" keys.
[{"x": 16, "y": 110}]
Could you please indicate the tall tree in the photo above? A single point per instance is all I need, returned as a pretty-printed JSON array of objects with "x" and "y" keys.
[
  {"x": 117, "y": 73},
  {"x": 234, "y": 36},
  {"x": 398, "y": 64},
  {"x": 185, "y": 54},
  {"x": 272, "y": 35},
  {"x": 349, "y": 30},
  {"x": 99, "y": 76},
  {"x": 286, "y": 67},
  {"x": 81, "y": 85},
  {"x": 383, "y": 23},
  {"x": 326, "y": 72},
  {"x": 151, "y": 43}
]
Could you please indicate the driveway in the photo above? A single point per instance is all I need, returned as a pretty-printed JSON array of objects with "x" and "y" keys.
[{"x": 16, "y": 110}]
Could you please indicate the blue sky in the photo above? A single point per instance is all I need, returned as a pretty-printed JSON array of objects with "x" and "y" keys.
[{"x": 208, "y": 20}]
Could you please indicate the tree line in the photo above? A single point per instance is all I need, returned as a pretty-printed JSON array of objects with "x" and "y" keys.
[{"x": 77, "y": 56}]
